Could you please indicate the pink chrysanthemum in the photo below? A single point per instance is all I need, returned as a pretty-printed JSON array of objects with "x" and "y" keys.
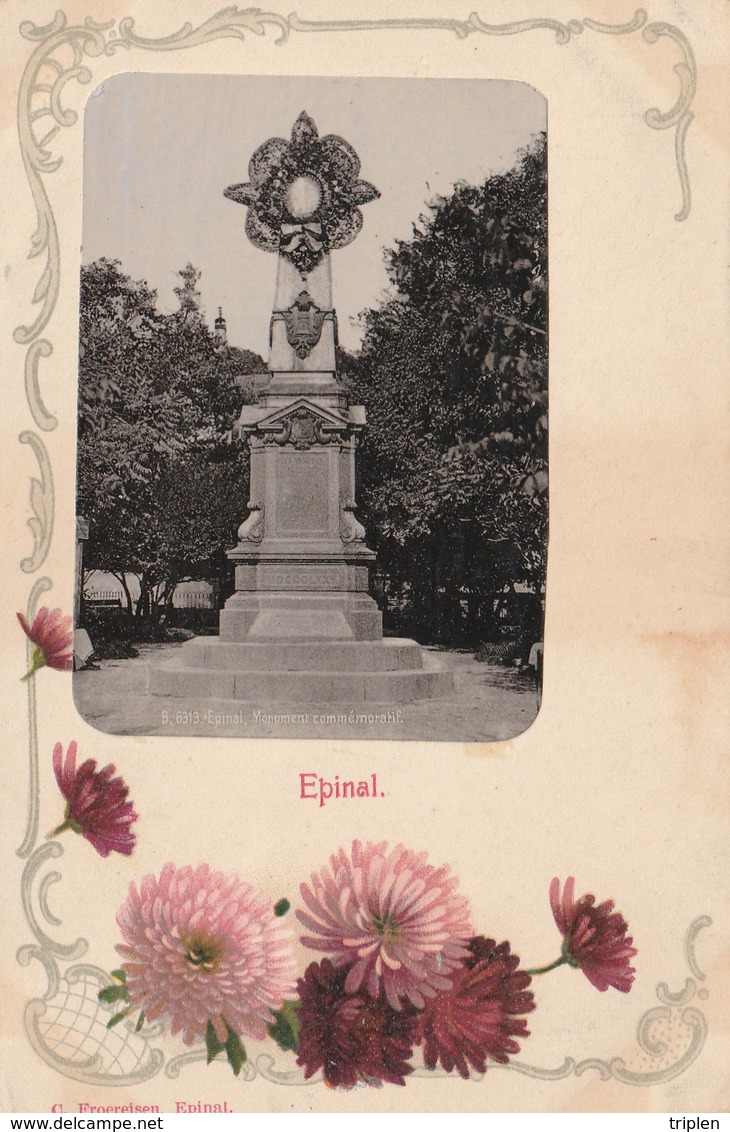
[
  {"x": 202, "y": 947},
  {"x": 479, "y": 1017},
  {"x": 396, "y": 921},
  {"x": 96, "y": 803},
  {"x": 594, "y": 937},
  {"x": 52, "y": 635}
]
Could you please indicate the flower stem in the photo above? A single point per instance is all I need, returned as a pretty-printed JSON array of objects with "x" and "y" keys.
[
  {"x": 550, "y": 967},
  {"x": 37, "y": 660},
  {"x": 69, "y": 823}
]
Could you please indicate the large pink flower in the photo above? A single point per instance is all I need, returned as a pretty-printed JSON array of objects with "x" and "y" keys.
[
  {"x": 52, "y": 635},
  {"x": 202, "y": 947},
  {"x": 594, "y": 937},
  {"x": 96, "y": 803},
  {"x": 396, "y": 921}
]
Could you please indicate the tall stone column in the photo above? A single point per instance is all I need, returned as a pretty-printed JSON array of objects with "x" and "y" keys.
[
  {"x": 301, "y": 626},
  {"x": 301, "y": 559}
]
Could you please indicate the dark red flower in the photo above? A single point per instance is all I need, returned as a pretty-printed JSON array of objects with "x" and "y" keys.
[
  {"x": 96, "y": 803},
  {"x": 52, "y": 635},
  {"x": 352, "y": 1038},
  {"x": 477, "y": 1018},
  {"x": 594, "y": 937}
]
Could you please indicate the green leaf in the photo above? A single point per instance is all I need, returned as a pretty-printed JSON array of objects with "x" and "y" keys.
[
  {"x": 140, "y": 1022},
  {"x": 114, "y": 993},
  {"x": 116, "y": 1018},
  {"x": 212, "y": 1044},
  {"x": 282, "y": 907},
  {"x": 286, "y": 1028},
  {"x": 235, "y": 1051},
  {"x": 120, "y": 975}
]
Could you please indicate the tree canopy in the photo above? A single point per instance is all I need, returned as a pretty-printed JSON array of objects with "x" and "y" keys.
[
  {"x": 158, "y": 480},
  {"x": 453, "y": 373},
  {"x": 452, "y": 469}
]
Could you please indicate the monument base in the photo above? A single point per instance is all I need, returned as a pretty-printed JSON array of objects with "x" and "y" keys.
[
  {"x": 301, "y": 628},
  {"x": 301, "y": 597},
  {"x": 317, "y": 671}
]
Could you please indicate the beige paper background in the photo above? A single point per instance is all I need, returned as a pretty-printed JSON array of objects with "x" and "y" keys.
[{"x": 621, "y": 780}]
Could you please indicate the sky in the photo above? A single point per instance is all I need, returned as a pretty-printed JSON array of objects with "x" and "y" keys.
[{"x": 160, "y": 149}]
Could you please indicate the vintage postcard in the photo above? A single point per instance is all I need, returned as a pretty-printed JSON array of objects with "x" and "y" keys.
[{"x": 366, "y": 577}]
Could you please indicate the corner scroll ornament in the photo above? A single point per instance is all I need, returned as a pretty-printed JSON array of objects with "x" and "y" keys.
[
  {"x": 304, "y": 321},
  {"x": 67, "y": 1026},
  {"x": 351, "y": 529},
  {"x": 252, "y": 528},
  {"x": 678, "y": 118}
]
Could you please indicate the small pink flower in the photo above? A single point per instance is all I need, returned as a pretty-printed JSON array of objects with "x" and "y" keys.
[
  {"x": 96, "y": 803},
  {"x": 202, "y": 947},
  {"x": 52, "y": 635},
  {"x": 594, "y": 937},
  {"x": 396, "y": 921}
]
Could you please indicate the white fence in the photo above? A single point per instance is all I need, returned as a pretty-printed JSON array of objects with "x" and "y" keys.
[{"x": 185, "y": 599}]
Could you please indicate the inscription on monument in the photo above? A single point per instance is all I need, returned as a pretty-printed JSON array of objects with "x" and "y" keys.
[
  {"x": 303, "y": 504},
  {"x": 303, "y": 579}
]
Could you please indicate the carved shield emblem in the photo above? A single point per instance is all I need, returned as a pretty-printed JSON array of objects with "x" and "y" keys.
[{"x": 303, "y": 321}]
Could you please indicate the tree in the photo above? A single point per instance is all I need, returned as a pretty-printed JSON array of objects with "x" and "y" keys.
[
  {"x": 188, "y": 295},
  {"x": 158, "y": 479},
  {"x": 453, "y": 373}
]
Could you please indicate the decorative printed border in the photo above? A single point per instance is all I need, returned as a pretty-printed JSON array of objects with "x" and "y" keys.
[{"x": 671, "y": 1035}]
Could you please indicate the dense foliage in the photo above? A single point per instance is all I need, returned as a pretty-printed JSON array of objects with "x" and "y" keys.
[
  {"x": 158, "y": 480},
  {"x": 453, "y": 465},
  {"x": 453, "y": 373}
]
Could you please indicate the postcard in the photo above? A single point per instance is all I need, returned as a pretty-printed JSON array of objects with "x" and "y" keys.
[{"x": 365, "y": 568}]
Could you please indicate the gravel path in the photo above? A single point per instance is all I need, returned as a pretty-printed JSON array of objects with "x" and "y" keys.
[{"x": 488, "y": 703}]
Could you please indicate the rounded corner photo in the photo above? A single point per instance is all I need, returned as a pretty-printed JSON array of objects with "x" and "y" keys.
[{"x": 313, "y": 393}]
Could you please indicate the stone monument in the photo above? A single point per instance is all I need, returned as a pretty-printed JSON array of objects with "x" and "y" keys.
[{"x": 301, "y": 625}]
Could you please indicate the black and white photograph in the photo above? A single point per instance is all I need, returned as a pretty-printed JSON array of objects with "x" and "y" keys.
[{"x": 312, "y": 464}]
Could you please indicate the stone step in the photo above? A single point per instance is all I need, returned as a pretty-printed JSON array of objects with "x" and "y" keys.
[
  {"x": 391, "y": 654},
  {"x": 295, "y": 687}
]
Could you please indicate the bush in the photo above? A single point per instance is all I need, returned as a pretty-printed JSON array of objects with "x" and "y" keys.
[{"x": 500, "y": 652}]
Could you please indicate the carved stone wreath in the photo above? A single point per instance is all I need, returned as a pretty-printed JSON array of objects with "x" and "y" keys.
[{"x": 304, "y": 194}]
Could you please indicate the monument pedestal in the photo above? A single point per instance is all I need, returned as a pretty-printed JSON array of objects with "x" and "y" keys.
[{"x": 301, "y": 626}]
